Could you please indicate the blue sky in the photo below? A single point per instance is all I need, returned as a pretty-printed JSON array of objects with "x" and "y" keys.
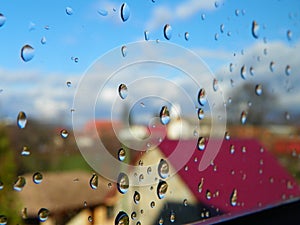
[{"x": 87, "y": 35}]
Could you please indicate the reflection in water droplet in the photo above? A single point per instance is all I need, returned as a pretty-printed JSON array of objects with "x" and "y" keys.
[
  {"x": 21, "y": 120},
  {"x": 272, "y": 66},
  {"x": 123, "y": 183},
  {"x": 289, "y": 34},
  {"x": 243, "y": 72},
  {"x": 162, "y": 188},
  {"x": 167, "y": 31},
  {"x": 64, "y": 133},
  {"x": 288, "y": 70},
  {"x": 43, "y": 214},
  {"x": 123, "y": 91},
  {"x": 102, "y": 12},
  {"x": 43, "y": 40},
  {"x": 122, "y": 218},
  {"x": 163, "y": 169},
  {"x": 200, "y": 114},
  {"x": 201, "y": 143},
  {"x": 136, "y": 197},
  {"x": 186, "y": 36},
  {"x": 258, "y": 89},
  {"x": 164, "y": 115},
  {"x": 25, "y": 151},
  {"x": 124, "y": 50},
  {"x": 121, "y": 154},
  {"x": 19, "y": 183},
  {"x": 215, "y": 84},
  {"x": 69, "y": 11},
  {"x": 255, "y": 29},
  {"x": 200, "y": 185},
  {"x": 3, "y": 220},
  {"x": 243, "y": 117},
  {"x": 172, "y": 217},
  {"x": 202, "y": 97},
  {"x": 2, "y": 19},
  {"x": 233, "y": 198},
  {"x": 208, "y": 195},
  {"x": 125, "y": 12},
  {"x": 146, "y": 35},
  {"x": 94, "y": 181},
  {"x": 27, "y": 53},
  {"x": 37, "y": 178}
]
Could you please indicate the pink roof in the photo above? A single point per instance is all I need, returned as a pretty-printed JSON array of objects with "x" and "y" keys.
[{"x": 259, "y": 179}]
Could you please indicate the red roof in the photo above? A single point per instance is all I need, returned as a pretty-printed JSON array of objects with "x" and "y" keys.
[{"x": 254, "y": 172}]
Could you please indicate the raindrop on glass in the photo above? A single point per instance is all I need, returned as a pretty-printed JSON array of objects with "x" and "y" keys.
[
  {"x": 208, "y": 195},
  {"x": 231, "y": 67},
  {"x": 254, "y": 29},
  {"x": 215, "y": 84},
  {"x": 227, "y": 136},
  {"x": 258, "y": 89},
  {"x": 243, "y": 72},
  {"x": 19, "y": 184},
  {"x": 3, "y": 220},
  {"x": 149, "y": 170},
  {"x": 1, "y": 185},
  {"x": 222, "y": 28},
  {"x": 233, "y": 198},
  {"x": 69, "y": 83},
  {"x": 102, "y": 12},
  {"x": 152, "y": 204},
  {"x": 25, "y": 151},
  {"x": 202, "y": 97},
  {"x": 185, "y": 202},
  {"x": 64, "y": 133},
  {"x": 146, "y": 35},
  {"x": 164, "y": 115},
  {"x": 172, "y": 217},
  {"x": 123, "y": 183},
  {"x": 124, "y": 50},
  {"x": 216, "y": 36},
  {"x": 186, "y": 36},
  {"x": 167, "y": 31},
  {"x": 243, "y": 117},
  {"x": 43, "y": 40},
  {"x": 216, "y": 4},
  {"x": 125, "y": 12},
  {"x": 232, "y": 149},
  {"x": 200, "y": 114},
  {"x": 27, "y": 53},
  {"x": 200, "y": 185},
  {"x": 136, "y": 197},
  {"x": 37, "y": 178},
  {"x": 43, "y": 214},
  {"x": 237, "y": 12},
  {"x": 201, "y": 143},
  {"x": 162, "y": 188},
  {"x": 123, "y": 91},
  {"x": 288, "y": 70},
  {"x": 289, "y": 34},
  {"x": 69, "y": 11},
  {"x": 203, "y": 16},
  {"x": 21, "y": 120},
  {"x": 161, "y": 221},
  {"x": 2, "y": 19},
  {"x": 133, "y": 215},
  {"x": 94, "y": 181},
  {"x": 90, "y": 219},
  {"x": 251, "y": 70},
  {"x": 163, "y": 169},
  {"x": 122, "y": 218},
  {"x": 272, "y": 66},
  {"x": 121, "y": 154}
]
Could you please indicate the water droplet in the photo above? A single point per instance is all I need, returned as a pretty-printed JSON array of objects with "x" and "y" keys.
[
  {"x": 138, "y": 223},
  {"x": 121, "y": 154},
  {"x": 202, "y": 97},
  {"x": 27, "y": 53},
  {"x": 185, "y": 202},
  {"x": 43, "y": 214},
  {"x": 19, "y": 183},
  {"x": 200, "y": 185},
  {"x": 123, "y": 91},
  {"x": 287, "y": 116},
  {"x": 69, "y": 11},
  {"x": 243, "y": 72},
  {"x": 90, "y": 219},
  {"x": 201, "y": 143},
  {"x": 289, "y": 34},
  {"x": 222, "y": 28},
  {"x": 21, "y": 120},
  {"x": 237, "y": 12},
  {"x": 124, "y": 50},
  {"x": 141, "y": 177},
  {"x": 208, "y": 195},
  {"x": 136, "y": 197},
  {"x": 200, "y": 114},
  {"x": 123, "y": 183},
  {"x": 102, "y": 12},
  {"x": 162, "y": 188},
  {"x": 215, "y": 84},
  {"x": 24, "y": 213},
  {"x": 216, "y": 36},
  {"x": 25, "y": 151},
  {"x": 146, "y": 35},
  {"x": 125, "y": 12},
  {"x": 186, "y": 36},
  {"x": 233, "y": 198},
  {"x": 122, "y": 218},
  {"x": 288, "y": 70},
  {"x": 231, "y": 67},
  {"x": 272, "y": 66},
  {"x": 163, "y": 169},
  {"x": 94, "y": 181},
  {"x": 37, "y": 178},
  {"x": 167, "y": 31},
  {"x": 3, "y": 220},
  {"x": 149, "y": 170},
  {"x": 69, "y": 83},
  {"x": 258, "y": 89},
  {"x": 161, "y": 221},
  {"x": 152, "y": 204},
  {"x": 2, "y": 19},
  {"x": 255, "y": 29},
  {"x": 43, "y": 40},
  {"x": 227, "y": 135},
  {"x": 216, "y": 4},
  {"x": 172, "y": 217},
  {"x": 133, "y": 215},
  {"x": 164, "y": 115},
  {"x": 244, "y": 149},
  {"x": 251, "y": 70},
  {"x": 232, "y": 149},
  {"x": 1, "y": 185},
  {"x": 243, "y": 117},
  {"x": 64, "y": 133},
  {"x": 203, "y": 16}
]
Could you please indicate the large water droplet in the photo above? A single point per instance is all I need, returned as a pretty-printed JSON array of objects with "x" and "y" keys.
[
  {"x": 37, "y": 178},
  {"x": 164, "y": 115},
  {"x": 243, "y": 72},
  {"x": 21, "y": 120},
  {"x": 121, "y": 154},
  {"x": 146, "y": 35},
  {"x": 94, "y": 181},
  {"x": 272, "y": 66},
  {"x": 2, "y": 19},
  {"x": 123, "y": 91},
  {"x": 215, "y": 84},
  {"x": 255, "y": 29},
  {"x": 186, "y": 36},
  {"x": 64, "y": 133},
  {"x": 3, "y": 220},
  {"x": 27, "y": 53},
  {"x": 288, "y": 70},
  {"x": 243, "y": 117},
  {"x": 289, "y": 34},
  {"x": 258, "y": 89},
  {"x": 172, "y": 217},
  {"x": 43, "y": 214},
  {"x": 19, "y": 183},
  {"x": 69, "y": 11},
  {"x": 124, "y": 50},
  {"x": 25, "y": 151},
  {"x": 123, "y": 183},
  {"x": 162, "y": 188},
  {"x": 136, "y": 197},
  {"x": 122, "y": 218},
  {"x": 200, "y": 114},
  {"x": 201, "y": 143},
  {"x": 202, "y": 97},
  {"x": 163, "y": 169},
  {"x": 125, "y": 12},
  {"x": 233, "y": 198},
  {"x": 167, "y": 31}
]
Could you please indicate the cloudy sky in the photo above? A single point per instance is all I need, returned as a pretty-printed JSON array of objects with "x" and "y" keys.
[{"x": 66, "y": 46}]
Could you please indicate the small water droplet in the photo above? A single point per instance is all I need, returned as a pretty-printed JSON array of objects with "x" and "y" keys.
[
  {"x": 69, "y": 83},
  {"x": 1, "y": 185},
  {"x": 185, "y": 202},
  {"x": 208, "y": 194},
  {"x": 222, "y": 28},
  {"x": 243, "y": 117},
  {"x": 146, "y": 35},
  {"x": 255, "y": 29},
  {"x": 203, "y": 16},
  {"x": 27, "y": 53},
  {"x": 125, "y": 12},
  {"x": 25, "y": 151},
  {"x": 90, "y": 219},
  {"x": 258, "y": 89},
  {"x": 272, "y": 66},
  {"x": 21, "y": 120},
  {"x": 200, "y": 114},
  {"x": 64, "y": 133},
  {"x": 3, "y": 220},
  {"x": 19, "y": 183},
  {"x": 2, "y": 19},
  {"x": 149, "y": 170},
  {"x": 43, "y": 40},
  {"x": 122, "y": 218},
  {"x": 288, "y": 70},
  {"x": 102, "y": 12},
  {"x": 186, "y": 36},
  {"x": 289, "y": 34},
  {"x": 121, "y": 154},
  {"x": 138, "y": 223},
  {"x": 123, "y": 91},
  {"x": 124, "y": 50},
  {"x": 162, "y": 188},
  {"x": 251, "y": 70},
  {"x": 201, "y": 143},
  {"x": 163, "y": 169},
  {"x": 233, "y": 198},
  {"x": 215, "y": 84},
  {"x": 216, "y": 4},
  {"x": 133, "y": 215},
  {"x": 69, "y": 11},
  {"x": 43, "y": 214},
  {"x": 94, "y": 181},
  {"x": 243, "y": 72},
  {"x": 24, "y": 213},
  {"x": 123, "y": 183},
  {"x": 152, "y": 204},
  {"x": 136, "y": 197},
  {"x": 200, "y": 185},
  {"x": 216, "y": 36},
  {"x": 37, "y": 178},
  {"x": 167, "y": 31},
  {"x": 237, "y": 12},
  {"x": 164, "y": 115},
  {"x": 202, "y": 97},
  {"x": 232, "y": 149},
  {"x": 287, "y": 116},
  {"x": 227, "y": 135},
  {"x": 161, "y": 221}
]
